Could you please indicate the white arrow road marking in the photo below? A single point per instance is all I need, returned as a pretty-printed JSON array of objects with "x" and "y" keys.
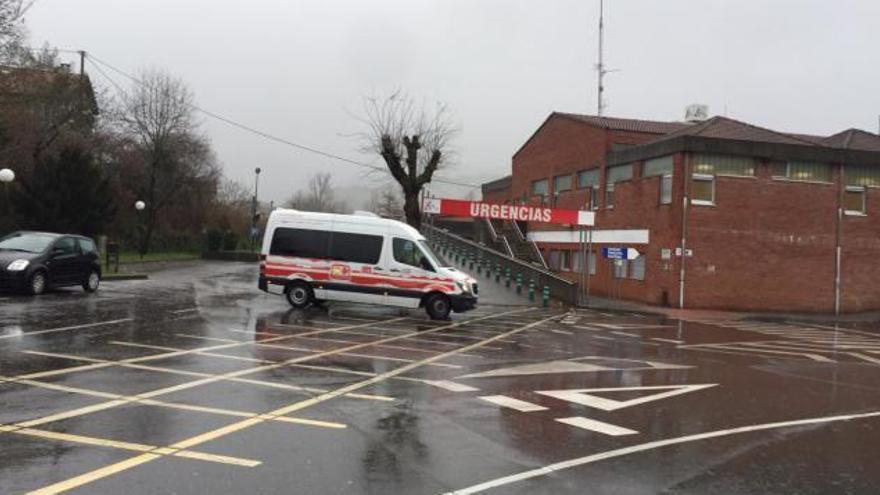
[
  {"x": 597, "y": 426},
  {"x": 510, "y": 402},
  {"x": 451, "y": 386},
  {"x": 540, "y": 368},
  {"x": 579, "y": 396},
  {"x": 629, "y": 326}
]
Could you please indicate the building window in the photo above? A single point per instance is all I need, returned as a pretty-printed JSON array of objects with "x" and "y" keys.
[
  {"x": 565, "y": 261},
  {"x": 577, "y": 262},
  {"x": 620, "y": 268},
  {"x": 539, "y": 188},
  {"x": 637, "y": 268},
  {"x": 554, "y": 261},
  {"x": 618, "y": 173},
  {"x": 854, "y": 200},
  {"x": 703, "y": 189},
  {"x": 861, "y": 175},
  {"x": 661, "y": 167},
  {"x": 665, "y": 189},
  {"x": 723, "y": 165},
  {"x": 590, "y": 179},
  {"x": 561, "y": 183},
  {"x": 804, "y": 171},
  {"x": 613, "y": 175},
  {"x": 658, "y": 167}
]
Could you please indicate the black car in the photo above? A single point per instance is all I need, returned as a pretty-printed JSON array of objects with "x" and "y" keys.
[{"x": 35, "y": 261}]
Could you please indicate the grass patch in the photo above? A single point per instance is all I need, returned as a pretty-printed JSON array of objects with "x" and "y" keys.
[{"x": 135, "y": 257}]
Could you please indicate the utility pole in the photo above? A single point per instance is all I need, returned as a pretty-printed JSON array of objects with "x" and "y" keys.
[
  {"x": 600, "y": 67},
  {"x": 82, "y": 63}
]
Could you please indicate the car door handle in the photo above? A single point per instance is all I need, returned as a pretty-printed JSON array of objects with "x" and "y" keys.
[{"x": 395, "y": 270}]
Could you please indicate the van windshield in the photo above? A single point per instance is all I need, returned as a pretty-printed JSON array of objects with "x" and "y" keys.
[{"x": 435, "y": 258}]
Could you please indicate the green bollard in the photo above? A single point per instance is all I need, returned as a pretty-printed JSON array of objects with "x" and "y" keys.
[
  {"x": 519, "y": 283},
  {"x": 545, "y": 296},
  {"x": 479, "y": 268},
  {"x": 472, "y": 263},
  {"x": 507, "y": 277},
  {"x": 531, "y": 292},
  {"x": 497, "y": 273}
]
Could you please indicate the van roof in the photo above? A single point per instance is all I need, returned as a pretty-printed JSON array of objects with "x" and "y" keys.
[{"x": 360, "y": 219}]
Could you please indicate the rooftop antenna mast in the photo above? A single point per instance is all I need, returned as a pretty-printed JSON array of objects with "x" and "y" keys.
[{"x": 600, "y": 67}]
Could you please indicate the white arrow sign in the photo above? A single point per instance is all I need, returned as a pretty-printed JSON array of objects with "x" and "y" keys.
[{"x": 632, "y": 253}]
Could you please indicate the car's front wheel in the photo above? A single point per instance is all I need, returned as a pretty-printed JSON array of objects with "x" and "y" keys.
[
  {"x": 438, "y": 306},
  {"x": 91, "y": 283},
  {"x": 37, "y": 283}
]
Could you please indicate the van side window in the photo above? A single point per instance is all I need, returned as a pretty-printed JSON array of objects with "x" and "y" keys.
[
  {"x": 300, "y": 243},
  {"x": 356, "y": 248},
  {"x": 408, "y": 253}
]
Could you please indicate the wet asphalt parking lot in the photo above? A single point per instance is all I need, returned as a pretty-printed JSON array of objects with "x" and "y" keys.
[{"x": 195, "y": 382}]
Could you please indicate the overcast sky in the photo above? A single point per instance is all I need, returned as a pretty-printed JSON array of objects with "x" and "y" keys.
[{"x": 299, "y": 69}]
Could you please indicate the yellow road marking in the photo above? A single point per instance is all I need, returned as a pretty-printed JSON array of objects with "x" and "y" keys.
[
  {"x": 136, "y": 447},
  {"x": 247, "y": 423},
  {"x": 153, "y": 357},
  {"x": 95, "y": 475},
  {"x": 204, "y": 375}
]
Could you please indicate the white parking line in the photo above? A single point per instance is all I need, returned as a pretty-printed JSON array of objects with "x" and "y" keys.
[
  {"x": 63, "y": 329},
  {"x": 597, "y": 426},
  {"x": 668, "y": 341},
  {"x": 511, "y": 403}
]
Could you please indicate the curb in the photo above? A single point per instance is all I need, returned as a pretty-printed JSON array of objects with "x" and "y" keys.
[{"x": 119, "y": 277}]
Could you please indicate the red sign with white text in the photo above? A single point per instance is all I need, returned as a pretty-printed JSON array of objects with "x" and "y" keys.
[{"x": 479, "y": 209}]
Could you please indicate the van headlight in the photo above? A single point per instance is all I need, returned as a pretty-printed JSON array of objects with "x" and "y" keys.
[
  {"x": 462, "y": 286},
  {"x": 18, "y": 265}
]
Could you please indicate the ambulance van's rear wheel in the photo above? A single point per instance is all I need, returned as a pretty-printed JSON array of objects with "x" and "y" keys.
[
  {"x": 437, "y": 306},
  {"x": 299, "y": 294}
]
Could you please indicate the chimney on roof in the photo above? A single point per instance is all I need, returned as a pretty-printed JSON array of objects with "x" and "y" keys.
[{"x": 696, "y": 112}]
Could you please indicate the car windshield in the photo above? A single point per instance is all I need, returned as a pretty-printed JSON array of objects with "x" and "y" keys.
[
  {"x": 28, "y": 243},
  {"x": 435, "y": 258}
]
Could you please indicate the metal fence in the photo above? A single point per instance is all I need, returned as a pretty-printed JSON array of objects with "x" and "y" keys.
[{"x": 472, "y": 255}]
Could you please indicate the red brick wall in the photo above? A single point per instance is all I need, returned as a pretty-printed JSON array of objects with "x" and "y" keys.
[
  {"x": 766, "y": 244},
  {"x": 501, "y": 196}
]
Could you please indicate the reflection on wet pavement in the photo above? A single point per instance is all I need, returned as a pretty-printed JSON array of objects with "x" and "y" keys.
[{"x": 196, "y": 382}]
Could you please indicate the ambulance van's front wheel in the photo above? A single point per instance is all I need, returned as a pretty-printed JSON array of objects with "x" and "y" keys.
[
  {"x": 299, "y": 294},
  {"x": 438, "y": 306}
]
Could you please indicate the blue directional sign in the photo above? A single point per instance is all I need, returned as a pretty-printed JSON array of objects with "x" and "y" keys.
[
  {"x": 614, "y": 253},
  {"x": 620, "y": 253}
]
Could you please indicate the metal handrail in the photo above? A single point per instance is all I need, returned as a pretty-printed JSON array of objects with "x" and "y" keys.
[
  {"x": 538, "y": 253},
  {"x": 519, "y": 232},
  {"x": 507, "y": 246},
  {"x": 491, "y": 228},
  {"x": 562, "y": 288}
]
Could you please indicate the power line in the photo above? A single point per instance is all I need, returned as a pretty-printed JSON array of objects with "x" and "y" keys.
[{"x": 263, "y": 134}]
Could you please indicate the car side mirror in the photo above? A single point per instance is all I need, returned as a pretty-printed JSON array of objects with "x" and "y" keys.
[{"x": 57, "y": 252}]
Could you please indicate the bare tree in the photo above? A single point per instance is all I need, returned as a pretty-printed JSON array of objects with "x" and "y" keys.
[
  {"x": 173, "y": 157},
  {"x": 318, "y": 196},
  {"x": 387, "y": 203},
  {"x": 413, "y": 142},
  {"x": 12, "y": 29}
]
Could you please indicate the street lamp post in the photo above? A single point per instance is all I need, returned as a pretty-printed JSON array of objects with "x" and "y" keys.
[
  {"x": 139, "y": 207},
  {"x": 254, "y": 207},
  {"x": 6, "y": 177}
]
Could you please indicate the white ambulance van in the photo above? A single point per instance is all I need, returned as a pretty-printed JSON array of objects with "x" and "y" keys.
[{"x": 315, "y": 257}]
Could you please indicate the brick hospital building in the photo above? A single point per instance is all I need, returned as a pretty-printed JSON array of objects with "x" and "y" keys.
[{"x": 727, "y": 215}]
